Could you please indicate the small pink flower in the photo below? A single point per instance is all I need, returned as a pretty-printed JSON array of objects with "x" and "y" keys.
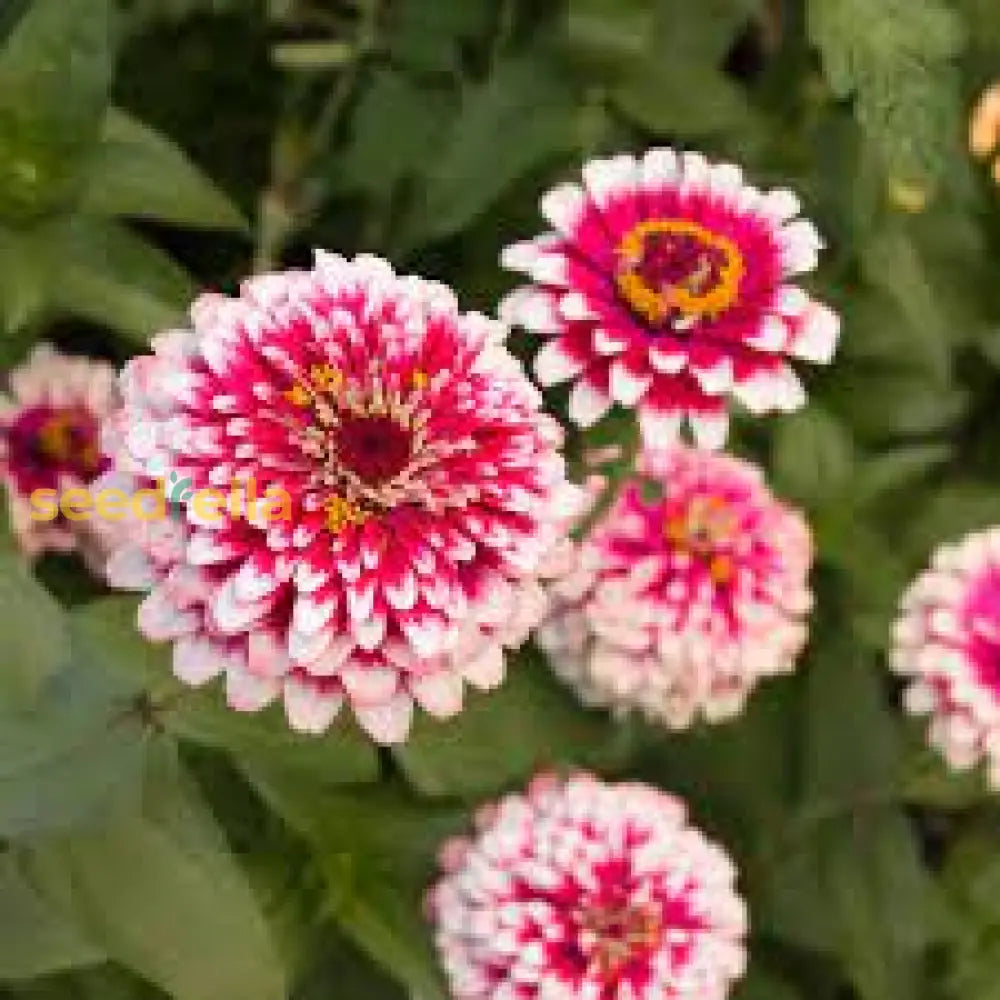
[
  {"x": 418, "y": 486},
  {"x": 579, "y": 890},
  {"x": 667, "y": 284},
  {"x": 947, "y": 642},
  {"x": 678, "y": 602},
  {"x": 50, "y": 440}
]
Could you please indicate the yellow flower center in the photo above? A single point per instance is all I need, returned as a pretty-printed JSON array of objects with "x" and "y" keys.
[
  {"x": 706, "y": 526},
  {"x": 675, "y": 267}
]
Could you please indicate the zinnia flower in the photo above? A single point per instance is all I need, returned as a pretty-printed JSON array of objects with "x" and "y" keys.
[
  {"x": 667, "y": 284},
  {"x": 579, "y": 890},
  {"x": 415, "y": 486},
  {"x": 50, "y": 440},
  {"x": 688, "y": 590},
  {"x": 947, "y": 643}
]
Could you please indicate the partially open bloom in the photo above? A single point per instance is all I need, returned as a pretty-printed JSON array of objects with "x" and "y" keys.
[
  {"x": 414, "y": 486},
  {"x": 579, "y": 890},
  {"x": 691, "y": 587},
  {"x": 667, "y": 284},
  {"x": 947, "y": 643},
  {"x": 50, "y": 440}
]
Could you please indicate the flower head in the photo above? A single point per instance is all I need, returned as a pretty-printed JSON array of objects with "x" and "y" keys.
[
  {"x": 667, "y": 284},
  {"x": 947, "y": 643},
  {"x": 50, "y": 440},
  {"x": 579, "y": 890},
  {"x": 413, "y": 487},
  {"x": 688, "y": 590}
]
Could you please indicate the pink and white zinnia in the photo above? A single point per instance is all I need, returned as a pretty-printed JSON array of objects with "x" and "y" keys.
[
  {"x": 424, "y": 486},
  {"x": 50, "y": 428},
  {"x": 678, "y": 602},
  {"x": 580, "y": 890},
  {"x": 667, "y": 283},
  {"x": 947, "y": 643}
]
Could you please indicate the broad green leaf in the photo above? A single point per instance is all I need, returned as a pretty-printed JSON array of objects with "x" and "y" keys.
[
  {"x": 881, "y": 896},
  {"x": 106, "y": 631},
  {"x": 853, "y": 885},
  {"x": 55, "y": 70},
  {"x": 35, "y": 639},
  {"x": 111, "y": 276},
  {"x": 267, "y": 752},
  {"x": 261, "y": 744},
  {"x": 36, "y": 937},
  {"x": 503, "y": 736},
  {"x": 397, "y": 132},
  {"x": 376, "y": 848},
  {"x": 895, "y": 58},
  {"x": 812, "y": 457},
  {"x": 163, "y": 896},
  {"x": 737, "y": 777},
  {"x": 852, "y": 745},
  {"x": 426, "y": 37},
  {"x": 669, "y": 98},
  {"x": 139, "y": 172},
  {"x": 71, "y": 759},
  {"x": 892, "y": 262},
  {"x": 526, "y": 103},
  {"x": 23, "y": 277}
]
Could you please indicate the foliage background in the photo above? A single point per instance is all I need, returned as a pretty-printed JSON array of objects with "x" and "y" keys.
[{"x": 152, "y": 843}]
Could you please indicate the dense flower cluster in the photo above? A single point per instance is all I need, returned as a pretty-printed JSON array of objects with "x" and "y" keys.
[
  {"x": 419, "y": 486},
  {"x": 50, "y": 440},
  {"x": 947, "y": 643},
  {"x": 667, "y": 284},
  {"x": 579, "y": 890},
  {"x": 676, "y": 604}
]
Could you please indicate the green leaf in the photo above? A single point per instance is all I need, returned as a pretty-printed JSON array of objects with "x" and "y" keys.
[
  {"x": 852, "y": 746},
  {"x": 36, "y": 642},
  {"x": 812, "y": 457},
  {"x": 270, "y": 754},
  {"x": 426, "y": 37},
  {"x": 377, "y": 850},
  {"x": 55, "y": 70},
  {"x": 70, "y": 760},
  {"x": 398, "y": 128},
  {"x": 22, "y": 280},
  {"x": 36, "y": 937},
  {"x": 668, "y": 98},
  {"x": 260, "y": 744},
  {"x": 891, "y": 261},
  {"x": 184, "y": 917},
  {"x": 111, "y": 276},
  {"x": 105, "y": 630},
  {"x": 503, "y": 736},
  {"x": 139, "y": 172},
  {"x": 526, "y": 103},
  {"x": 895, "y": 58}
]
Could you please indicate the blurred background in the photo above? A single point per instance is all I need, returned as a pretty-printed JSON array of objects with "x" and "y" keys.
[{"x": 155, "y": 845}]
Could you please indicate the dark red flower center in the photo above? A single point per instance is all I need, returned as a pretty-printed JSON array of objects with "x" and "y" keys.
[
  {"x": 374, "y": 447},
  {"x": 674, "y": 268},
  {"x": 45, "y": 443}
]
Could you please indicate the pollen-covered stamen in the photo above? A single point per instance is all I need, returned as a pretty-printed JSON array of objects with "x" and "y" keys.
[
  {"x": 613, "y": 936},
  {"x": 675, "y": 269},
  {"x": 706, "y": 529},
  {"x": 340, "y": 513}
]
